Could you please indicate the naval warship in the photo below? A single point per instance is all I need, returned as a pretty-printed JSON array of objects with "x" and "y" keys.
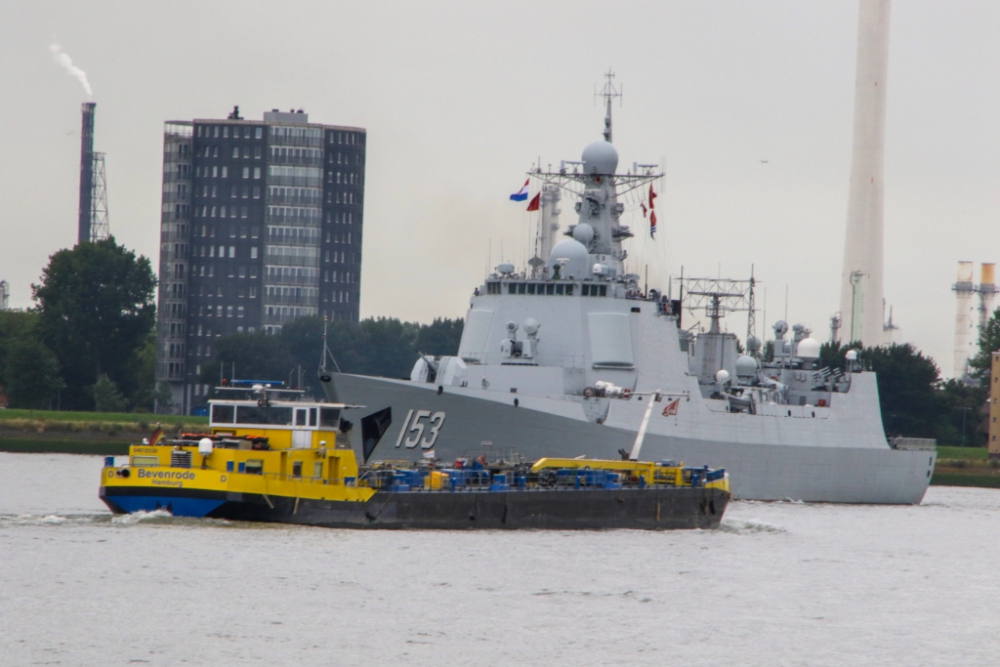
[{"x": 561, "y": 359}]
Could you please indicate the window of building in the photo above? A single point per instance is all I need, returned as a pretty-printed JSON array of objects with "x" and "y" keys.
[
  {"x": 216, "y": 130},
  {"x": 236, "y": 151},
  {"x": 246, "y": 172},
  {"x": 253, "y": 253},
  {"x": 246, "y": 192},
  {"x": 211, "y": 271},
  {"x": 256, "y": 152},
  {"x": 225, "y": 172},
  {"x": 253, "y": 271},
  {"x": 256, "y": 193},
  {"x": 234, "y": 193},
  {"x": 253, "y": 292},
  {"x": 225, "y": 132},
  {"x": 232, "y": 252},
  {"x": 256, "y": 172},
  {"x": 259, "y": 133},
  {"x": 253, "y": 232},
  {"x": 243, "y": 273},
  {"x": 229, "y": 311},
  {"x": 215, "y": 150},
  {"x": 215, "y": 172}
]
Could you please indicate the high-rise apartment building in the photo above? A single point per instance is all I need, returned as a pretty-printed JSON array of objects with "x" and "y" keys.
[{"x": 261, "y": 223}]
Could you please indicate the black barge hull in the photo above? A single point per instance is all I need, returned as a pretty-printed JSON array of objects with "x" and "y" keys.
[{"x": 584, "y": 509}]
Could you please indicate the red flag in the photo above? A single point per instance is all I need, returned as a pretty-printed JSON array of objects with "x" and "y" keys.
[
  {"x": 643, "y": 209},
  {"x": 652, "y": 224},
  {"x": 672, "y": 408},
  {"x": 652, "y": 196},
  {"x": 535, "y": 202}
]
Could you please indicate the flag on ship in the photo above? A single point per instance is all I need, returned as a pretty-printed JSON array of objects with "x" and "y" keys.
[
  {"x": 672, "y": 408},
  {"x": 521, "y": 194},
  {"x": 652, "y": 224},
  {"x": 643, "y": 209},
  {"x": 535, "y": 202},
  {"x": 652, "y": 196}
]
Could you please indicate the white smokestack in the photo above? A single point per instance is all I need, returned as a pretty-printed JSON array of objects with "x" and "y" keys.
[
  {"x": 861, "y": 282},
  {"x": 67, "y": 63},
  {"x": 964, "y": 291}
]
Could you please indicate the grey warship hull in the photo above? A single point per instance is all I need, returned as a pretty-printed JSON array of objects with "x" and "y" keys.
[{"x": 808, "y": 466}]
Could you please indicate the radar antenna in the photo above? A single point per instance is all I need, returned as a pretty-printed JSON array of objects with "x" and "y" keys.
[{"x": 609, "y": 92}]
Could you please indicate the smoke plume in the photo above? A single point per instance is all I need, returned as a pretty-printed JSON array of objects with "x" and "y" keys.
[{"x": 67, "y": 63}]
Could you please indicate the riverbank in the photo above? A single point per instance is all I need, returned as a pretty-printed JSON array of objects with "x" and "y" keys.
[
  {"x": 102, "y": 433},
  {"x": 966, "y": 466}
]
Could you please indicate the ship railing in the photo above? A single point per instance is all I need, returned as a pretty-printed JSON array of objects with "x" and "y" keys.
[{"x": 913, "y": 444}]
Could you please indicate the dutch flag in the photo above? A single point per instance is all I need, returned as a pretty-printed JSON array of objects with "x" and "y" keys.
[{"x": 522, "y": 194}]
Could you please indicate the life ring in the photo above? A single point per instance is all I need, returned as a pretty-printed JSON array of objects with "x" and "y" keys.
[{"x": 588, "y": 392}]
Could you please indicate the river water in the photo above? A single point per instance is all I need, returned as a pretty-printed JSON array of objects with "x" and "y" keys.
[{"x": 778, "y": 584}]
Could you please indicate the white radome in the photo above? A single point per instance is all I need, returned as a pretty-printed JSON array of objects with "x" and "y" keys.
[
  {"x": 809, "y": 348},
  {"x": 600, "y": 157},
  {"x": 572, "y": 256}
]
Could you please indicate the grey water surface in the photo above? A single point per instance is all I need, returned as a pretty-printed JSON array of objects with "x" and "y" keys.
[{"x": 778, "y": 584}]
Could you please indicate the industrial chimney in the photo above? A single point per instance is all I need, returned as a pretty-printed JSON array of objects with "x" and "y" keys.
[
  {"x": 861, "y": 281},
  {"x": 987, "y": 293},
  {"x": 86, "y": 172},
  {"x": 964, "y": 290}
]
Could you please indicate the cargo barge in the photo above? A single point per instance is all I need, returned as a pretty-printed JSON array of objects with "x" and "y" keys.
[{"x": 291, "y": 461}]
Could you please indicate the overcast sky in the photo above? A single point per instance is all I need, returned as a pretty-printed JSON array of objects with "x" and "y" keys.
[{"x": 461, "y": 98}]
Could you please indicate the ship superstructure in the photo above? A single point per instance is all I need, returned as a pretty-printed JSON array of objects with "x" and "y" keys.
[{"x": 562, "y": 356}]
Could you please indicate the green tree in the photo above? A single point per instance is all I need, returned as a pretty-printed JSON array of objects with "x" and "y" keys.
[
  {"x": 107, "y": 398},
  {"x": 907, "y": 388},
  {"x": 441, "y": 336},
  {"x": 989, "y": 342},
  {"x": 31, "y": 374},
  {"x": 96, "y": 309}
]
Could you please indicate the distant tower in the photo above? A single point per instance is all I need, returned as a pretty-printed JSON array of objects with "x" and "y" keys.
[
  {"x": 861, "y": 281},
  {"x": 92, "y": 224},
  {"x": 889, "y": 329},
  {"x": 987, "y": 294},
  {"x": 964, "y": 290},
  {"x": 86, "y": 171},
  {"x": 4, "y": 294}
]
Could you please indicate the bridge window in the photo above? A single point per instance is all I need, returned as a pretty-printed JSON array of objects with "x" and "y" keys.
[
  {"x": 329, "y": 417},
  {"x": 223, "y": 414}
]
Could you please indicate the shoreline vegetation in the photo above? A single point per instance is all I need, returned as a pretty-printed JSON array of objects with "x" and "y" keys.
[
  {"x": 110, "y": 434},
  {"x": 95, "y": 433}
]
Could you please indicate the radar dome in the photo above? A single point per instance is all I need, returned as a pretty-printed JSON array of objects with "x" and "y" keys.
[
  {"x": 852, "y": 355},
  {"x": 746, "y": 366},
  {"x": 753, "y": 344},
  {"x": 571, "y": 257},
  {"x": 808, "y": 348},
  {"x": 780, "y": 328},
  {"x": 531, "y": 326},
  {"x": 583, "y": 233},
  {"x": 722, "y": 376},
  {"x": 205, "y": 446},
  {"x": 600, "y": 157}
]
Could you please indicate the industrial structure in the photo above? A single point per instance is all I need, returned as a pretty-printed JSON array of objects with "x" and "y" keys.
[
  {"x": 993, "y": 445},
  {"x": 4, "y": 294},
  {"x": 261, "y": 223},
  {"x": 861, "y": 305},
  {"x": 92, "y": 224},
  {"x": 971, "y": 317}
]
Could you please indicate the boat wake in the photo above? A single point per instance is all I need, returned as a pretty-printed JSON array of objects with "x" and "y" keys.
[
  {"x": 140, "y": 516},
  {"x": 748, "y": 527}
]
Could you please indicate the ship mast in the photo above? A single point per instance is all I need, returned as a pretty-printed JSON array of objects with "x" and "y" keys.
[{"x": 609, "y": 92}]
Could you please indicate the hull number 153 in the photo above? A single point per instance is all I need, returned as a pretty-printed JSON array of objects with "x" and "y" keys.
[{"x": 417, "y": 422}]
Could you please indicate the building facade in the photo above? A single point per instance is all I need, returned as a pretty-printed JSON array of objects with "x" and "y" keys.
[{"x": 261, "y": 223}]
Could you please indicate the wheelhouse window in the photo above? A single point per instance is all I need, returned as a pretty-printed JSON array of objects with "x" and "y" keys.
[
  {"x": 252, "y": 414},
  {"x": 223, "y": 414},
  {"x": 329, "y": 417}
]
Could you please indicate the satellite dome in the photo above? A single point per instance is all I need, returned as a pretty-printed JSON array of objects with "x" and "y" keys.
[
  {"x": 722, "y": 376},
  {"x": 852, "y": 355},
  {"x": 753, "y": 344},
  {"x": 531, "y": 326},
  {"x": 600, "y": 157},
  {"x": 583, "y": 233},
  {"x": 572, "y": 257},
  {"x": 746, "y": 366},
  {"x": 808, "y": 348}
]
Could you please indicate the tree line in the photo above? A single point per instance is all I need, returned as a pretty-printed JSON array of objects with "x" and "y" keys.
[
  {"x": 89, "y": 344},
  {"x": 380, "y": 346}
]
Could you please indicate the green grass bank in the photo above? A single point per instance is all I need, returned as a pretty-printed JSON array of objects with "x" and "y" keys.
[{"x": 103, "y": 433}]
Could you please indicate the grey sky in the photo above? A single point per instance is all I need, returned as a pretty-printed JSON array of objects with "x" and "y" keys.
[{"x": 460, "y": 99}]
